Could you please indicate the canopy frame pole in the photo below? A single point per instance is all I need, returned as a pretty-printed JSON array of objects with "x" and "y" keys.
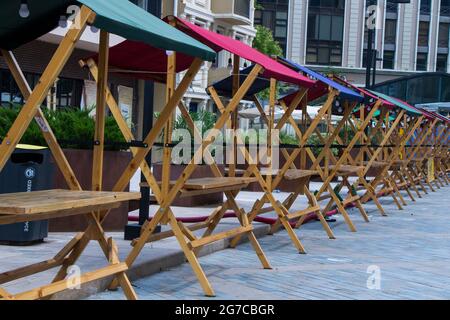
[
  {"x": 283, "y": 214},
  {"x": 47, "y": 132},
  {"x": 192, "y": 245},
  {"x": 383, "y": 174},
  {"x": 400, "y": 170},
  {"x": 372, "y": 157},
  {"x": 303, "y": 187},
  {"x": 38, "y": 95},
  {"x": 150, "y": 139},
  {"x": 31, "y": 110},
  {"x": 125, "y": 130},
  {"x": 212, "y": 222},
  {"x": 336, "y": 169}
]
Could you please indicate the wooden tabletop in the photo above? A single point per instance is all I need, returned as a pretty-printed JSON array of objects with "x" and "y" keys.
[
  {"x": 215, "y": 183},
  {"x": 38, "y": 202}
]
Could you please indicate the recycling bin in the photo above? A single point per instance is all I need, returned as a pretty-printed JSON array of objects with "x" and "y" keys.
[{"x": 30, "y": 168}]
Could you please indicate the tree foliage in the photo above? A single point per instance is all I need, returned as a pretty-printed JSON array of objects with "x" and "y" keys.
[{"x": 265, "y": 43}]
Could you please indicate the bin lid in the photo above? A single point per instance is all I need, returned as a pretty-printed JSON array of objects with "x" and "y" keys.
[{"x": 30, "y": 147}]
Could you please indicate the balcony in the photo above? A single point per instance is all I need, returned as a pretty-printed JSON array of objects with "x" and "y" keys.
[
  {"x": 235, "y": 12},
  {"x": 445, "y": 11}
]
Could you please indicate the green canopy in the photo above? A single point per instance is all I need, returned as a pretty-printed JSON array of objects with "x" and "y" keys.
[
  {"x": 398, "y": 103},
  {"x": 119, "y": 17}
]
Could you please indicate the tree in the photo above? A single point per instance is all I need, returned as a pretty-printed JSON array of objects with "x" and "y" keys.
[{"x": 265, "y": 43}]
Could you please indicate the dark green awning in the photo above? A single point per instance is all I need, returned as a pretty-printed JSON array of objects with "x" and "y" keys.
[
  {"x": 119, "y": 17},
  {"x": 398, "y": 103}
]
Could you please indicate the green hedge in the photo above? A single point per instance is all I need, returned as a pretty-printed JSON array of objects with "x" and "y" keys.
[{"x": 74, "y": 128}]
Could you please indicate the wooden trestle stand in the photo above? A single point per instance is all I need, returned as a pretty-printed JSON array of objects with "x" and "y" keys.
[{"x": 62, "y": 203}]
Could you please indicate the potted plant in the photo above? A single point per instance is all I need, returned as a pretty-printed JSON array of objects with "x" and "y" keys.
[{"x": 74, "y": 129}]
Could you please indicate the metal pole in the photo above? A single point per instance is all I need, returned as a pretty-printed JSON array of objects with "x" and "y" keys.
[{"x": 369, "y": 55}]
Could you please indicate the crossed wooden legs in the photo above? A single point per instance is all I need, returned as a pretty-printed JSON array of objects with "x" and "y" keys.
[{"x": 63, "y": 259}]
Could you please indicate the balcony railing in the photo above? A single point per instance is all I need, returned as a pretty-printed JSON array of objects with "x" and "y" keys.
[
  {"x": 242, "y": 8},
  {"x": 445, "y": 11},
  {"x": 425, "y": 9}
]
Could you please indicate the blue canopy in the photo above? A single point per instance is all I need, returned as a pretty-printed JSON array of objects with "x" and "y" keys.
[{"x": 345, "y": 92}]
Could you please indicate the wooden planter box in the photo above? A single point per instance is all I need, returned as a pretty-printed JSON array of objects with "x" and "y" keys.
[
  {"x": 202, "y": 171},
  {"x": 115, "y": 163}
]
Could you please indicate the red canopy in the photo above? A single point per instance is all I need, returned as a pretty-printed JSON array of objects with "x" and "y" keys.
[
  {"x": 217, "y": 42},
  {"x": 142, "y": 61}
]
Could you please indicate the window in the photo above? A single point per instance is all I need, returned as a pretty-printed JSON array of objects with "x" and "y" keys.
[
  {"x": 424, "y": 27},
  {"x": 445, "y": 8},
  {"x": 389, "y": 59},
  {"x": 422, "y": 62},
  {"x": 391, "y": 7},
  {"x": 68, "y": 93},
  {"x": 325, "y": 32},
  {"x": 274, "y": 16},
  {"x": 390, "y": 31},
  {"x": 141, "y": 3},
  {"x": 441, "y": 62},
  {"x": 425, "y": 7},
  {"x": 443, "y": 35}
]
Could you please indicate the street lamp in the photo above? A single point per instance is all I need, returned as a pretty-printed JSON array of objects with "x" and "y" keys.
[{"x": 372, "y": 55}]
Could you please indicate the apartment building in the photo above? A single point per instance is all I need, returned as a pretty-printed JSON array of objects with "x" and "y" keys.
[
  {"x": 233, "y": 18},
  {"x": 332, "y": 34}
]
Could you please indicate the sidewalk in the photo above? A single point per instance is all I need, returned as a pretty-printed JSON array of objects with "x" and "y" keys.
[{"x": 409, "y": 250}]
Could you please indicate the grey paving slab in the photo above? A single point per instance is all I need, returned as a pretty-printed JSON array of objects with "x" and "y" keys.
[{"x": 410, "y": 249}]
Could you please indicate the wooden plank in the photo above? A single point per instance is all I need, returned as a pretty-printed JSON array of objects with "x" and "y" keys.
[
  {"x": 40, "y": 92},
  {"x": 46, "y": 130},
  {"x": 16, "y": 218},
  {"x": 58, "y": 200},
  {"x": 62, "y": 285},
  {"x": 219, "y": 236},
  {"x": 159, "y": 125},
  {"x": 100, "y": 114}
]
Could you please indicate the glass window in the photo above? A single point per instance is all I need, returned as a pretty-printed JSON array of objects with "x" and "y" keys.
[
  {"x": 441, "y": 62},
  {"x": 425, "y": 7},
  {"x": 390, "y": 31},
  {"x": 445, "y": 8},
  {"x": 422, "y": 62},
  {"x": 443, "y": 35},
  {"x": 388, "y": 59},
  {"x": 274, "y": 16},
  {"x": 424, "y": 27},
  {"x": 325, "y": 32}
]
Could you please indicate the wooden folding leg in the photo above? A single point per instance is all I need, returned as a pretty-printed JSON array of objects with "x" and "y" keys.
[{"x": 40, "y": 92}]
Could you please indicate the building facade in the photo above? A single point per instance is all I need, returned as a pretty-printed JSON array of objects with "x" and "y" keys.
[
  {"x": 233, "y": 18},
  {"x": 332, "y": 34},
  {"x": 76, "y": 88}
]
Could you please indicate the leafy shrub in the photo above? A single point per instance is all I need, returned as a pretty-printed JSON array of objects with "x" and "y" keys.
[{"x": 73, "y": 128}]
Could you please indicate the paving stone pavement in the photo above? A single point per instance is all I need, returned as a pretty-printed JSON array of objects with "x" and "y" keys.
[{"x": 409, "y": 250}]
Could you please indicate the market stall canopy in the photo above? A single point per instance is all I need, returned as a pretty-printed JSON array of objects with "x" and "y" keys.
[
  {"x": 398, "y": 103},
  {"x": 323, "y": 83},
  {"x": 142, "y": 61},
  {"x": 435, "y": 115},
  {"x": 369, "y": 97},
  {"x": 272, "y": 68},
  {"x": 313, "y": 111},
  {"x": 119, "y": 17},
  {"x": 224, "y": 87}
]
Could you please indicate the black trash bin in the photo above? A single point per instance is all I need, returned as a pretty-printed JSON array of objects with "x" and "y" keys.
[{"x": 30, "y": 168}]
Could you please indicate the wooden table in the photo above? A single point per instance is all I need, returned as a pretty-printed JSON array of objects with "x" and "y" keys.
[{"x": 42, "y": 205}]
